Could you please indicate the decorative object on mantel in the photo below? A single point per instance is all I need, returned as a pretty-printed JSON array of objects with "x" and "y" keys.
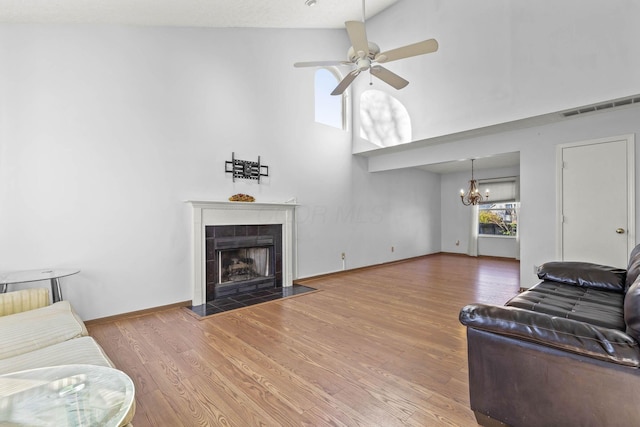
[
  {"x": 245, "y": 169},
  {"x": 241, "y": 198},
  {"x": 473, "y": 196}
]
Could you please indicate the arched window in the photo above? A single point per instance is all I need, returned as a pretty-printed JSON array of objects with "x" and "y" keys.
[
  {"x": 384, "y": 121},
  {"x": 329, "y": 108}
]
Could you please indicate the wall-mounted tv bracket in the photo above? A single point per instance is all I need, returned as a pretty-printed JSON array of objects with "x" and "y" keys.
[{"x": 245, "y": 169}]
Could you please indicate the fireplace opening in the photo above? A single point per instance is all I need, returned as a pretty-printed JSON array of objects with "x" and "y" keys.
[
  {"x": 239, "y": 265},
  {"x": 242, "y": 259}
]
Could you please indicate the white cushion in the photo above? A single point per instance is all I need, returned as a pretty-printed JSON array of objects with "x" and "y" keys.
[
  {"x": 23, "y": 300},
  {"x": 84, "y": 351},
  {"x": 35, "y": 329}
]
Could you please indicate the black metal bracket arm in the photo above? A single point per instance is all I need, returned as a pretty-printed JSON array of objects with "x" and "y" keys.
[{"x": 245, "y": 169}]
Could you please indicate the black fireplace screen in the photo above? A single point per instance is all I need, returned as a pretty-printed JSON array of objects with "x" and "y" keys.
[{"x": 238, "y": 265}]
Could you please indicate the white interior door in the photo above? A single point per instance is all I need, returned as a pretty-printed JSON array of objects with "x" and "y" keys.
[{"x": 596, "y": 201}]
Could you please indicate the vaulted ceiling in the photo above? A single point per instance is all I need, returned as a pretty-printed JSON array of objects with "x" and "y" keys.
[
  {"x": 192, "y": 13},
  {"x": 329, "y": 14}
]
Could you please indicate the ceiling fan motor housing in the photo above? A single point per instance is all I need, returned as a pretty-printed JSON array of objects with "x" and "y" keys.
[{"x": 354, "y": 56}]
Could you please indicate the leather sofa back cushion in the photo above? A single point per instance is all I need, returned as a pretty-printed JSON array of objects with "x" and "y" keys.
[
  {"x": 585, "y": 274},
  {"x": 632, "y": 310}
]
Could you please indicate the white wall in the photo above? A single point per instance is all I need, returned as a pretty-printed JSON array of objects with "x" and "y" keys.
[
  {"x": 456, "y": 218},
  {"x": 105, "y": 131},
  {"x": 537, "y": 147},
  {"x": 505, "y": 60},
  {"x": 504, "y": 247}
]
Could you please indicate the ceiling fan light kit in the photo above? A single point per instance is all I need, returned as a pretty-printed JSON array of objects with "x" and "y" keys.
[{"x": 366, "y": 55}]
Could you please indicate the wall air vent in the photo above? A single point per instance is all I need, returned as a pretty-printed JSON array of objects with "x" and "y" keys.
[{"x": 604, "y": 106}]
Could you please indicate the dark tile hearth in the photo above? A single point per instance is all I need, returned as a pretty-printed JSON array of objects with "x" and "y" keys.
[{"x": 220, "y": 305}]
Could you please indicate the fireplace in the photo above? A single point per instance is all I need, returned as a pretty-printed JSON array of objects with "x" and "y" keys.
[
  {"x": 238, "y": 227},
  {"x": 242, "y": 258}
]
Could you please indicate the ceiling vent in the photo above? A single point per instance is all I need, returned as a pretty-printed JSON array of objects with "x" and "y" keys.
[{"x": 605, "y": 106}]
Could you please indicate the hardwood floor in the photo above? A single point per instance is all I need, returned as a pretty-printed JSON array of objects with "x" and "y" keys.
[{"x": 374, "y": 347}]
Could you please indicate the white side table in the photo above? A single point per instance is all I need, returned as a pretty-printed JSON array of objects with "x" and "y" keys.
[{"x": 25, "y": 276}]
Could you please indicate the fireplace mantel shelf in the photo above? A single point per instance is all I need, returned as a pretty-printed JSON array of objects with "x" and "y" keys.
[{"x": 241, "y": 205}]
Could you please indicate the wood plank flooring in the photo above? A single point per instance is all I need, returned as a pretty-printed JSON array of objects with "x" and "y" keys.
[{"x": 374, "y": 347}]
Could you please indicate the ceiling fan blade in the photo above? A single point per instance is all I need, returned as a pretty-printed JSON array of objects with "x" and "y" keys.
[
  {"x": 344, "y": 84},
  {"x": 320, "y": 63},
  {"x": 408, "y": 51},
  {"x": 388, "y": 77},
  {"x": 358, "y": 36}
]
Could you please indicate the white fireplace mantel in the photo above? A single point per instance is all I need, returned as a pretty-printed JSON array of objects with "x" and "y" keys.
[{"x": 241, "y": 213}]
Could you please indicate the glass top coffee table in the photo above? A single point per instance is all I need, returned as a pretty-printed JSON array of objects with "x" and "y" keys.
[
  {"x": 67, "y": 395},
  {"x": 53, "y": 275}
]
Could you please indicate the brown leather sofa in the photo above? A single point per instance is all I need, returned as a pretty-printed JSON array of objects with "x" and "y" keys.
[{"x": 563, "y": 353}]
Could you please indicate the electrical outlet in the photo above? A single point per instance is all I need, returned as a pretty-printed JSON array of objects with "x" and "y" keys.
[
  {"x": 343, "y": 256},
  {"x": 457, "y": 242},
  {"x": 393, "y": 249}
]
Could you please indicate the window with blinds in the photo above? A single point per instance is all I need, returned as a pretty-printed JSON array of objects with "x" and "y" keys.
[{"x": 498, "y": 215}]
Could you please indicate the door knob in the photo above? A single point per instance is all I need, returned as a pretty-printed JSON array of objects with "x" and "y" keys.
[{"x": 620, "y": 230}]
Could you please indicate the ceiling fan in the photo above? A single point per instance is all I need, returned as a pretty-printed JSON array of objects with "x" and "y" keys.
[{"x": 366, "y": 55}]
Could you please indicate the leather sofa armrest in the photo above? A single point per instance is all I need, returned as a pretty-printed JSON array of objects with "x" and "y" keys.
[
  {"x": 610, "y": 345},
  {"x": 23, "y": 300}
]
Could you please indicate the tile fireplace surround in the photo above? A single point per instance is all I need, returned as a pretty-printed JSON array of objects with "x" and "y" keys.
[{"x": 240, "y": 213}]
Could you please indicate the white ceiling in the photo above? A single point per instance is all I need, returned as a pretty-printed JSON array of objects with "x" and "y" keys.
[{"x": 192, "y": 13}]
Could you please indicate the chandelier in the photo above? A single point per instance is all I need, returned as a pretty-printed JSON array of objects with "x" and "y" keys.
[{"x": 472, "y": 196}]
